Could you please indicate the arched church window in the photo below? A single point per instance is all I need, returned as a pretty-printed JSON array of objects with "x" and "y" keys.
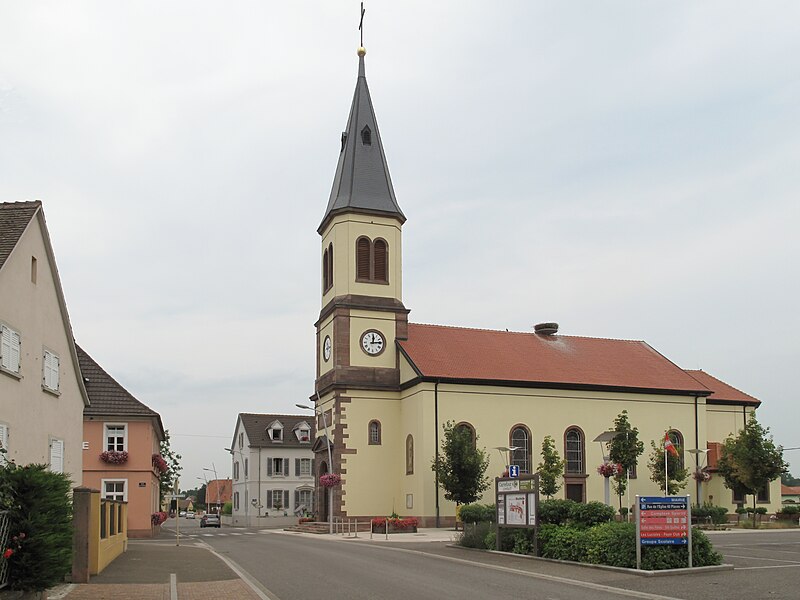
[
  {"x": 464, "y": 426},
  {"x": 676, "y": 437},
  {"x": 363, "y": 258},
  {"x": 330, "y": 265},
  {"x": 521, "y": 440},
  {"x": 574, "y": 451},
  {"x": 375, "y": 433}
]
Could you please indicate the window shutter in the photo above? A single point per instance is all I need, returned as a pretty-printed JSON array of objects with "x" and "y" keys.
[
  {"x": 297, "y": 467},
  {"x": 296, "y": 499},
  {"x": 380, "y": 256},
  {"x": 362, "y": 258},
  {"x": 286, "y": 468},
  {"x": 286, "y": 499},
  {"x": 9, "y": 349},
  {"x": 269, "y": 467},
  {"x": 55, "y": 364},
  {"x": 269, "y": 499},
  {"x": 57, "y": 456}
]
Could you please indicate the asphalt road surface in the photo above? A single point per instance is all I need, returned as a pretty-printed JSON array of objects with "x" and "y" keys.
[{"x": 767, "y": 565}]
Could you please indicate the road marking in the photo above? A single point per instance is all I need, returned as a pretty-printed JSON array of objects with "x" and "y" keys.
[
  {"x": 553, "y": 578},
  {"x": 766, "y": 567},
  {"x": 234, "y": 534},
  {"x": 254, "y": 584},
  {"x": 760, "y": 558},
  {"x": 173, "y": 587},
  {"x": 207, "y": 535}
]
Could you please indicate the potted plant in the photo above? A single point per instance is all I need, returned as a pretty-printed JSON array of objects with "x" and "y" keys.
[{"x": 114, "y": 457}]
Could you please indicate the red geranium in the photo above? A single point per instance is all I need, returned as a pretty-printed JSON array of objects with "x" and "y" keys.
[{"x": 7, "y": 554}]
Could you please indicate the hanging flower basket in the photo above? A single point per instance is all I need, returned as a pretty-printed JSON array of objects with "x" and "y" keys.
[
  {"x": 609, "y": 469},
  {"x": 160, "y": 464},
  {"x": 330, "y": 480},
  {"x": 701, "y": 475},
  {"x": 114, "y": 457}
]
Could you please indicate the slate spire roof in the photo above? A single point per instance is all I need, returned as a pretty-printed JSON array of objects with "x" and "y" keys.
[{"x": 362, "y": 182}]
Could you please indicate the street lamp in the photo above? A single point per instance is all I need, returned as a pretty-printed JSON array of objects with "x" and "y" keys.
[
  {"x": 205, "y": 495},
  {"x": 246, "y": 516},
  {"x": 330, "y": 457},
  {"x": 697, "y": 452},
  {"x": 216, "y": 479},
  {"x": 508, "y": 450}
]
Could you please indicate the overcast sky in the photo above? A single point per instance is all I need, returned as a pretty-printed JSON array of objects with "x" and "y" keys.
[{"x": 628, "y": 169}]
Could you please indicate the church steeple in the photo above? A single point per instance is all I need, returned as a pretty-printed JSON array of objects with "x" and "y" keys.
[{"x": 362, "y": 183}]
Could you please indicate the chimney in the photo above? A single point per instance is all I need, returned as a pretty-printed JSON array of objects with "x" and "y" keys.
[{"x": 545, "y": 328}]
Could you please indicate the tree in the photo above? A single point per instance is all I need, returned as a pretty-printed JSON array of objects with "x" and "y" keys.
[
  {"x": 461, "y": 465},
  {"x": 788, "y": 479},
  {"x": 169, "y": 478},
  {"x": 678, "y": 474},
  {"x": 550, "y": 469},
  {"x": 750, "y": 460},
  {"x": 625, "y": 449}
]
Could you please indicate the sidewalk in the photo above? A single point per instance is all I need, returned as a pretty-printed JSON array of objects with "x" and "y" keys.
[{"x": 160, "y": 570}]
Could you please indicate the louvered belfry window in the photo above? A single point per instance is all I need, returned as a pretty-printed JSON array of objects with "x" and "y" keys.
[
  {"x": 372, "y": 260},
  {"x": 325, "y": 279},
  {"x": 380, "y": 256},
  {"x": 330, "y": 265},
  {"x": 363, "y": 251},
  {"x": 366, "y": 136}
]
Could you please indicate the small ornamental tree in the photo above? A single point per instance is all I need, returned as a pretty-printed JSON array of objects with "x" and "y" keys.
[
  {"x": 678, "y": 475},
  {"x": 461, "y": 465},
  {"x": 168, "y": 478},
  {"x": 40, "y": 527},
  {"x": 550, "y": 469},
  {"x": 750, "y": 460},
  {"x": 625, "y": 449}
]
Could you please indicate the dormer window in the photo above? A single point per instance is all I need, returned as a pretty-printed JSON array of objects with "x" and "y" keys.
[
  {"x": 366, "y": 136},
  {"x": 275, "y": 431},
  {"x": 303, "y": 433}
]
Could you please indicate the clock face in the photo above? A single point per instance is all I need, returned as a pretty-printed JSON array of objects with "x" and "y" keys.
[
  {"x": 372, "y": 342},
  {"x": 326, "y": 348}
]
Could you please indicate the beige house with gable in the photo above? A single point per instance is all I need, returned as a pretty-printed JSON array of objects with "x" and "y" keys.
[
  {"x": 41, "y": 390},
  {"x": 386, "y": 386}
]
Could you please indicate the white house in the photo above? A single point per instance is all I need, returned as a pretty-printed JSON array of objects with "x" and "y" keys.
[{"x": 272, "y": 466}]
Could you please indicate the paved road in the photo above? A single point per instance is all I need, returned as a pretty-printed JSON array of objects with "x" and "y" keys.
[{"x": 767, "y": 566}]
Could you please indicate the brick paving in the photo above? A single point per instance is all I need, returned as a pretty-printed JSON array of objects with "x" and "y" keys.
[{"x": 122, "y": 591}]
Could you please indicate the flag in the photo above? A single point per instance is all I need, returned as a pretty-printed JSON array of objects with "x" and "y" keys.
[{"x": 669, "y": 446}]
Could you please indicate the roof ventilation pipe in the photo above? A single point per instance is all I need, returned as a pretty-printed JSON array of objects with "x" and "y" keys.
[{"x": 545, "y": 328}]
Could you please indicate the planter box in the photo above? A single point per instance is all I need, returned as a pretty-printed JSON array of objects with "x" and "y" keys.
[{"x": 393, "y": 529}]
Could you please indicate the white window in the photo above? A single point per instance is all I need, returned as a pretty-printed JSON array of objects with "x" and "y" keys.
[
  {"x": 115, "y": 489},
  {"x": 4, "y": 444},
  {"x": 56, "y": 455},
  {"x": 278, "y": 499},
  {"x": 275, "y": 431},
  {"x": 50, "y": 366},
  {"x": 10, "y": 342},
  {"x": 277, "y": 467},
  {"x": 116, "y": 437},
  {"x": 303, "y": 433},
  {"x": 304, "y": 499},
  {"x": 305, "y": 466},
  {"x": 236, "y": 470},
  {"x": 236, "y": 499}
]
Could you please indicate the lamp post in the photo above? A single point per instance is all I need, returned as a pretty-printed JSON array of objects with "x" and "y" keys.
[
  {"x": 246, "y": 515},
  {"x": 507, "y": 456},
  {"x": 216, "y": 479},
  {"x": 330, "y": 457},
  {"x": 205, "y": 495},
  {"x": 697, "y": 452}
]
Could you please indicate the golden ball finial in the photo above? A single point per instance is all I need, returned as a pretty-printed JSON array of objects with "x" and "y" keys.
[{"x": 362, "y": 51}]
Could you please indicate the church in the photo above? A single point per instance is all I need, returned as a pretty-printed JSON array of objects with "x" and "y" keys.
[{"x": 385, "y": 386}]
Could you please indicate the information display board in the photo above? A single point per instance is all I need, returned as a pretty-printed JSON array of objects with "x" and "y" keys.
[
  {"x": 517, "y": 501},
  {"x": 663, "y": 521}
]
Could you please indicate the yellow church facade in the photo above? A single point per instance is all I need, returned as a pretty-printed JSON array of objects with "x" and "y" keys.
[{"x": 385, "y": 387}]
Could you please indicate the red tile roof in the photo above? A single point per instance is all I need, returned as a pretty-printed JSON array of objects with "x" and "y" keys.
[
  {"x": 456, "y": 353},
  {"x": 790, "y": 490},
  {"x": 722, "y": 392},
  {"x": 225, "y": 492}
]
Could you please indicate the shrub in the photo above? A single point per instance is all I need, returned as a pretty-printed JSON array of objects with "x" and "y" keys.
[
  {"x": 227, "y": 508},
  {"x": 490, "y": 541},
  {"x": 790, "y": 510},
  {"x": 475, "y": 535},
  {"x": 706, "y": 511},
  {"x": 612, "y": 544},
  {"x": 564, "y": 542},
  {"x": 677, "y": 557},
  {"x": 556, "y": 512},
  {"x": 40, "y": 518},
  {"x": 591, "y": 513},
  {"x": 477, "y": 513}
]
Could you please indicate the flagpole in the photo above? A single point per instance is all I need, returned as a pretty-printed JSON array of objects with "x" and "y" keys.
[{"x": 666, "y": 472}]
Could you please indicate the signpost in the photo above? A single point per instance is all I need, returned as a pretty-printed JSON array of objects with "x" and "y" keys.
[
  {"x": 517, "y": 501},
  {"x": 663, "y": 521},
  {"x": 177, "y": 516}
]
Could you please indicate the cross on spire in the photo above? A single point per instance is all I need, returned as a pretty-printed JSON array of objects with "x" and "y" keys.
[{"x": 361, "y": 24}]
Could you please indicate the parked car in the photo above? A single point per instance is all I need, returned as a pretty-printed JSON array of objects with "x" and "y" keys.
[
  {"x": 189, "y": 514},
  {"x": 210, "y": 520},
  {"x": 183, "y": 513}
]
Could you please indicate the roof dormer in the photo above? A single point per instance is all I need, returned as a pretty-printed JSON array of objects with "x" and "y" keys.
[
  {"x": 275, "y": 432},
  {"x": 302, "y": 432}
]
